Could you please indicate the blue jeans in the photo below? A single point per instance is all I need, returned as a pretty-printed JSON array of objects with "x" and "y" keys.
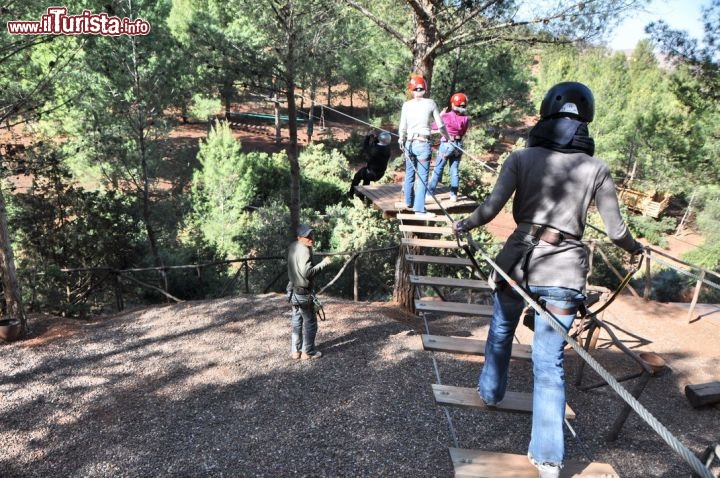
[
  {"x": 417, "y": 160},
  {"x": 304, "y": 324},
  {"x": 546, "y": 441},
  {"x": 447, "y": 153}
]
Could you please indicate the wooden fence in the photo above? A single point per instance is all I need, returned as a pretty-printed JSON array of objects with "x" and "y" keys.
[{"x": 115, "y": 276}]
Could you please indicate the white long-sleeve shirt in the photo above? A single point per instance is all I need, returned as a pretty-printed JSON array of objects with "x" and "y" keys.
[{"x": 416, "y": 117}]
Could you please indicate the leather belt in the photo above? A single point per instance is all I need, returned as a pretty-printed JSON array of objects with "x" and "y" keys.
[
  {"x": 545, "y": 233},
  {"x": 301, "y": 290},
  {"x": 419, "y": 137},
  {"x": 559, "y": 310}
]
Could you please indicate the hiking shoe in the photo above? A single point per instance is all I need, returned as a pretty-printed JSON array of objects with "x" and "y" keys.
[
  {"x": 296, "y": 355},
  {"x": 548, "y": 471},
  {"x": 545, "y": 470},
  {"x": 312, "y": 355},
  {"x": 453, "y": 197},
  {"x": 424, "y": 214}
]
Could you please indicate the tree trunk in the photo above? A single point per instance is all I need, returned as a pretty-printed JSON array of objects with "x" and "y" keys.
[
  {"x": 426, "y": 35},
  {"x": 292, "y": 146},
  {"x": 404, "y": 293},
  {"x": 11, "y": 286}
]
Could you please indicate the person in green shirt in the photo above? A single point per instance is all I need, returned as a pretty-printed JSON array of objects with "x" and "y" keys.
[{"x": 301, "y": 272}]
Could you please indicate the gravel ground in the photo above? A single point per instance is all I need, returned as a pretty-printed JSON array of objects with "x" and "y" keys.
[{"x": 209, "y": 389}]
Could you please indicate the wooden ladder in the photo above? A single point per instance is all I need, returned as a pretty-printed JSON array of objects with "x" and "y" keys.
[{"x": 473, "y": 463}]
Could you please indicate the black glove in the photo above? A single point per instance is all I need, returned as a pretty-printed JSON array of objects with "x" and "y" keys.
[
  {"x": 638, "y": 250},
  {"x": 460, "y": 226}
]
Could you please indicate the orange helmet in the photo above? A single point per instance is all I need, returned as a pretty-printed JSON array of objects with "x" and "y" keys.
[
  {"x": 459, "y": 99},
  {"x": 417, "y": 82}
]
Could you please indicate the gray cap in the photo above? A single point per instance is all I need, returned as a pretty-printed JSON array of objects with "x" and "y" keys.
[{"x": 304, "y": 230}]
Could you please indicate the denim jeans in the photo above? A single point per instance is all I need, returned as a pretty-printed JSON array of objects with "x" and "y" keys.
[
  {"x": 304, "y": 324},
  {"x": 546, "y": 440},
  {"x": 417, "y": 160},
  {"x": 447, "y": 153}
]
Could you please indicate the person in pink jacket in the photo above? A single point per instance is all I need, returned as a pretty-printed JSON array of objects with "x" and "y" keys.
[{"x": 457, "y": 123}]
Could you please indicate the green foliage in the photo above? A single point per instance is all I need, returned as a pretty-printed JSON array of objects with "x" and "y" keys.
[
  {"x": 203, "y": 107},
  {"x": 641, "y": 128},
  {"x": 652, "y": 229},
  {"x": 58, "y": 225},
  {"x": 667, "y": 285},
  {"x": 708, "y": 217},
  {"x": 228, "y": 183},
  {"x": 325, "y": 177},
  {"x": 265, "y": 234},
  {"x": 356, "y": 228}
]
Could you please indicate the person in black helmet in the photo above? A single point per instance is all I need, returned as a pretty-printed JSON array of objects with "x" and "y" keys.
[
  {"x": 553, "y": 180},
  {"x": 376, "y": 148}
]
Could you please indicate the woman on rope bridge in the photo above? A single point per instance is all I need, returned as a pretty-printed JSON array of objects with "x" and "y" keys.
[
  {"x": 457, "y": 123},
  {"x": 415, "y": 118},
  {"x": 554, "y": 180}
]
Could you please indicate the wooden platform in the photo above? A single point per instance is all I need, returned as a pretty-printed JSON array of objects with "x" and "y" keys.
[
  {"x": 439, "y": 243},
  {"x": 465, "y": 397},
  {"x": 440, "y": 260},
  {"x": 456, "y": 308},
  {"x": 486, "y": 464},
  {"x": 472, "y": 284},
  {"x": 464, "y": 345},
  {"x": 385, "y": 196}
]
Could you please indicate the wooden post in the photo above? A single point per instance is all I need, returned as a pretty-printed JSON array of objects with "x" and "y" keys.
[
  {"x": 696, "y": 295},
  {"x": 276, "y": 105},
  {"x": 648, "y": 277},
  {"x": 591, "y": 257},
  {"x": 615, "y": 271},
  {"x": 119, "y": 301},
  {"x": 356, "y": 294},
  {"x": 247, "y": 279}
]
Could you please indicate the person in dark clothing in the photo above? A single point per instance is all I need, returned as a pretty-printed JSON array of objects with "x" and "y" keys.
[
  {"x": 301, "y": 273},
  {"x": 376, "y": 148},
  {"x": 554, "y": 180}
]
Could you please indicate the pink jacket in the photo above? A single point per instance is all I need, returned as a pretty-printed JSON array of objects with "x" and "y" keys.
[{"x": 457, "y": 125}]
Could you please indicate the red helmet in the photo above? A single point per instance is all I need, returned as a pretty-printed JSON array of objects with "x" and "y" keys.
[
  {"x": 417, "y": 82},
  {"x": 459, "y": 99}
]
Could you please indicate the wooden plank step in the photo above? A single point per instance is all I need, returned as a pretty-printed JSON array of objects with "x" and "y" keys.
[
  {"x": 446, "y": 231},
  {"x": 701, "y": 394},
  {"x": 412, "y": 217},
  {"x": 474, "y": 284},
  {"x": 465, "y": 397},
  {"x": 439, "y": 243},
  {"x": 487, "y": 464},
  {"x": 453, "y": 307},
  {"x": 464, "y": 345},
  {"x": 442, "y": 260}
]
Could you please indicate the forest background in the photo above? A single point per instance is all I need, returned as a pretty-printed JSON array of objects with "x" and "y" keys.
[{"x": 87, "y": 121}]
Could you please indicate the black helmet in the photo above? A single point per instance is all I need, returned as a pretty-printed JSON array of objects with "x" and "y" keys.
[{"x": 560, "y": 95}]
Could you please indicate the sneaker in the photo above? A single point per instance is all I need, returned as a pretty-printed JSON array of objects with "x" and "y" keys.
[
  {"x": 545, "y": 470},
  {"x": 296, "y": 355},
  {"x": 487, "y": 404},
  {"x": 453, "y": 197},
  {"x": 548, "y": 471},
  {"x": 429, "y": 198},
  {"x": 424, "y": 214},
  {"x": 312, "y": 355}
]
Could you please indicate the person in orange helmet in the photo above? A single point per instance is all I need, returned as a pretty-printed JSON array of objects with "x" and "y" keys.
[
  {"x": 457, "y": 123},
  {"x": 416, "y": 117}
]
